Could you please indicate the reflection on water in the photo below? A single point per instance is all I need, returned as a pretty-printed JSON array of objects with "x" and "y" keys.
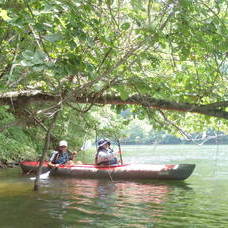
[
  {"x": 86, "y": 203},
  {"x": 101, "y": 201}
]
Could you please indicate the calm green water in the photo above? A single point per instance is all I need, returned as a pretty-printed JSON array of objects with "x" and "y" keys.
[{"x": 200, "y": 201}]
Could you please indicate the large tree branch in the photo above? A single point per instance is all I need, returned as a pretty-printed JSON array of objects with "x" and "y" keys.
[{"x": 18, "y": 99}]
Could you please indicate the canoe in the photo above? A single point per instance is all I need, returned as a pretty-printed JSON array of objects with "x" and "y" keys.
[{"x": 116, "y": 172}]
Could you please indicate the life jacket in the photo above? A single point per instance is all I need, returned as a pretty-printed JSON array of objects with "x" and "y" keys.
[
  {"x": 101, "y": 149},
  {"x": 58, "y": 155}
]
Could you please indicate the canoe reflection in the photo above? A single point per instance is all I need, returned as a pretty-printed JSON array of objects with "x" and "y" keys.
[
  {"x": 91, "y": 201},
  {"x": 126, "y": 192}
]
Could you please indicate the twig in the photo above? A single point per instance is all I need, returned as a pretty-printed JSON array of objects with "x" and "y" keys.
[{"x": 173, "y": 124}]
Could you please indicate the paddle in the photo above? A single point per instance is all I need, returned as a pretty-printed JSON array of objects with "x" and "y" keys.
[
  {"x": 121, "y": 159},
  {"x": 45, "y": 175}
]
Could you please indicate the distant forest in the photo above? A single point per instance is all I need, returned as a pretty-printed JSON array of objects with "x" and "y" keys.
[
  {"x": 171, "y": 139},
  {"x": 140, "y": 132}
]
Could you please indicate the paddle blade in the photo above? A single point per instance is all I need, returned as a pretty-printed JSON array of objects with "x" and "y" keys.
[{"x": 42, "y": 176}]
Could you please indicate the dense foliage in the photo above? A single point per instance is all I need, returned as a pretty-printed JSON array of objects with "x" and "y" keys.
[{"x": 164, "y": 60}]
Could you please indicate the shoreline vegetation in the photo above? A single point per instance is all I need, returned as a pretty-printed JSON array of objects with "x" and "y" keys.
[{"x": 4, "y": 163}]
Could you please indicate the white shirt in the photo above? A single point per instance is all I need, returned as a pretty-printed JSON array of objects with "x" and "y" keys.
[{"x": 105, "y": 155}]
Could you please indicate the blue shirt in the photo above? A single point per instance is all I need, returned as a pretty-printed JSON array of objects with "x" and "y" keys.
[{"x": 59, "y": 158}]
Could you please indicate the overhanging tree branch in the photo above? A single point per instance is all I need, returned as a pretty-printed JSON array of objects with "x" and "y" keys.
[{"x": 33, "y": 96}]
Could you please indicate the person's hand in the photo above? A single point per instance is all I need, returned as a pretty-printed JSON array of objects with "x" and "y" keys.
[
  {"x": 70, "y": 163},
  {"x": 74, "y": 152}
]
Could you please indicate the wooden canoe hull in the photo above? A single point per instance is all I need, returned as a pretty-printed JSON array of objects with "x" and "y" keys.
[{"x": 124, "y": 172}]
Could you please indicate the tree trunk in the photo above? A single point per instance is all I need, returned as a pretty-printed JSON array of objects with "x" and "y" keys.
[{"x": 46, "y": 146}]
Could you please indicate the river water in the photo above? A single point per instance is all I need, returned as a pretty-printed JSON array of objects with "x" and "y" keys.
[{"x": 199, "y": 201}]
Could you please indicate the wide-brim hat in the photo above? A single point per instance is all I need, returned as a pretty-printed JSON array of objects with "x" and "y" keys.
[{"x": 102, "y": 142}]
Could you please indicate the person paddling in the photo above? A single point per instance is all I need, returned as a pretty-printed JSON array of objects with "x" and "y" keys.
[
  {"x": 105, "y": 155},
  {"x": 61, "y": 156}
]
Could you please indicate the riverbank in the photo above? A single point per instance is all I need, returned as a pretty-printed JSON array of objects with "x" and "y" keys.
[{"x": 6, "y": 164}]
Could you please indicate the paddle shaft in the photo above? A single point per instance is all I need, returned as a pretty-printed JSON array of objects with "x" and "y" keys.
[{"x": 121, "y": 159}]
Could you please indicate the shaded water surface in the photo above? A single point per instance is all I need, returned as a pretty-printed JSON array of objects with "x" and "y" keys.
[{"x": 200, "y": 201}]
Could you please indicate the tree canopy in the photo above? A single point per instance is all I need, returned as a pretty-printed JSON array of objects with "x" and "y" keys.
[{"x": 163, "y": 59}]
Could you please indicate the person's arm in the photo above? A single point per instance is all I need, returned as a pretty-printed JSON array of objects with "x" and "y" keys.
[
  {"x": 113, "y": 153},
  {"x": 72, "y": 155},
  {"x": 51, "y": 160},
  {"x": 52, "y": 165},
  {"x": 101, "y": 157},
  {"x": 105, "y": 156}
]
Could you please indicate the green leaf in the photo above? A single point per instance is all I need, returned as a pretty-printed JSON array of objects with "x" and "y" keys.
[
  {"x": 137, "y": 4},
  {"x": 4, "y": 15},
  {"x": 26, "y": 63},
  {"x": 33, "y": 58},
  {"x": 53, "y": 37},
  {"x": 27, "y": 54},
  {"x": 123, "y": 94},
  {"x": 125, "y": 26},
  {"x": 39, "y": 57},
  {"x": 110, "y": 2},
  {"x": 38, "y": 68}
]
